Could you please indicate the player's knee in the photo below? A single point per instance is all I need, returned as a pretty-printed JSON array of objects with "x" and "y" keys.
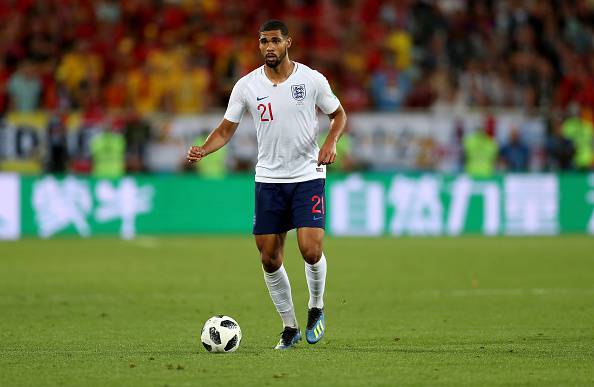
[
  {"x": 271, "y": 261},
  {"x": 311, "y": 254}
]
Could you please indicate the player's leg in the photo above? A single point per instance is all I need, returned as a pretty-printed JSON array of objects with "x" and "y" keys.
[
  {"x": 310, "y": 245},
  {"x": 309, "y": 216},
  {"x": 271, "y": 247},
  {"x": 271, "y": 222}
]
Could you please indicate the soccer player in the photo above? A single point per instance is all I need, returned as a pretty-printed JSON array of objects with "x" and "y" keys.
[{"x": 282, "y": 96}]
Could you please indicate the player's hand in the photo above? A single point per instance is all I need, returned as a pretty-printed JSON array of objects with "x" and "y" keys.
[
  {"x": 327, "y": 153},
  {"x": 195, "y": 154}
]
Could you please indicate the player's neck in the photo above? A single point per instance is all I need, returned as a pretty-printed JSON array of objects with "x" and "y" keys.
[{"x": 280, "y": 73}]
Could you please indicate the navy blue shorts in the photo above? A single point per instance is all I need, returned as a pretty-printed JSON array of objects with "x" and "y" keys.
[{"x": 281, "y": 207}]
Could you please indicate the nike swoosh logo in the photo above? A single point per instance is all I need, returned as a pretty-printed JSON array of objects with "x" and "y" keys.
[
  {"x": 260, "y": 99},
  {"x": 317, "y": 217}
]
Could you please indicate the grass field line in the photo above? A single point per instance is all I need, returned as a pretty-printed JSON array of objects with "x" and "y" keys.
[
  {"x": 147, "y": 242},
  {"x": 505, "y": 292},
  {"x": 58, "y": 298}
]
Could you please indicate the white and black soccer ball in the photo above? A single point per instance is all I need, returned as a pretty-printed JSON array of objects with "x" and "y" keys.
[{"x": 221, "y": 334}]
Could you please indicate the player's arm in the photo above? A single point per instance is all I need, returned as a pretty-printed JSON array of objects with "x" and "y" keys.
[
  {"x": 338, "y": 121},
  {"x": 215, "y": 141}
]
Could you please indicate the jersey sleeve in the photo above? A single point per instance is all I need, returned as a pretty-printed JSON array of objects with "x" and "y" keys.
[
  {"x": 236, "y": 105},
  {"x": 325, "y": 98}
]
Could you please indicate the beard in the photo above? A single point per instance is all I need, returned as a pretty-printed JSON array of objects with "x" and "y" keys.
[{"x": 274, "y": 62}]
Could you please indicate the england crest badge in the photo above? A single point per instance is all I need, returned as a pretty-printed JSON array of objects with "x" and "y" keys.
[{"x": 298, "y": 92}]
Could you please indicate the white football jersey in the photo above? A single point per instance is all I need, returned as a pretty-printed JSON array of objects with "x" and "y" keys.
[{"x": 285, "y": 120}]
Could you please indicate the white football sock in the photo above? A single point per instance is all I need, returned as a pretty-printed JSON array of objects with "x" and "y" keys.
[
  {"x": 280, "y": 292},
  {"x": 316, "y": 282}
]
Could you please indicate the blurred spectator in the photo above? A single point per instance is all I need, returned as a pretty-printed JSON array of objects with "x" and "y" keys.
[
  {"x": 454, "y": 153},
  {"x": 500, "y": 53},
  {"x": 115, "y": 92},
  {"x": 353, "y": 95},
  {"x": 78, "y": 70},
  {"x": 427, "y": 156},
  {"x": 480, "y": 154},
  {"x": 57, "y": 152},
  {"x": 422, "y": 95},
  {"x": 145, "y": 89},
  {"x": 108, "y": 154},
  {"x": 389, "y": 86},
  {"x": 24, "y": 88},
  {"x": 345, "y": 162},
  {"x": 400, "y": 43},
  {"x": 137, "y": 133},
  {"x": 449, "y": 98},
  {"x": 213, "y": 166},
  {"x": 559, "y": 150},
  {"x": 146, "y": 57},
  {"x": 4, "y": 76},
  {"x": 108, "y": 11},
  {"x": 579, "y": 130},
  {"x": 514, "y": 156},
  {"x": 189, "y": 88}
]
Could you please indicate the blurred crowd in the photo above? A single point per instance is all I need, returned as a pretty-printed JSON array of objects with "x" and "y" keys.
[{"x": 139, "y": 57}]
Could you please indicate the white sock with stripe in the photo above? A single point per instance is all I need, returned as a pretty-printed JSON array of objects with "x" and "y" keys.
[
  {"x": 280, "y": 292},
  {"x": 316, "y": 282}
]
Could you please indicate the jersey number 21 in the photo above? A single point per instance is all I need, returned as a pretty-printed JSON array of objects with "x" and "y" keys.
[{"x": 263, "y": 109}]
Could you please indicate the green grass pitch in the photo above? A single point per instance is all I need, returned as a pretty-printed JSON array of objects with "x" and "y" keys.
[{"x": 427, "y": 311}]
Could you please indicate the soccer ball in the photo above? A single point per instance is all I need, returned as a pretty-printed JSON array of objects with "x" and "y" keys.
[{"x": 221, "y": 334}]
